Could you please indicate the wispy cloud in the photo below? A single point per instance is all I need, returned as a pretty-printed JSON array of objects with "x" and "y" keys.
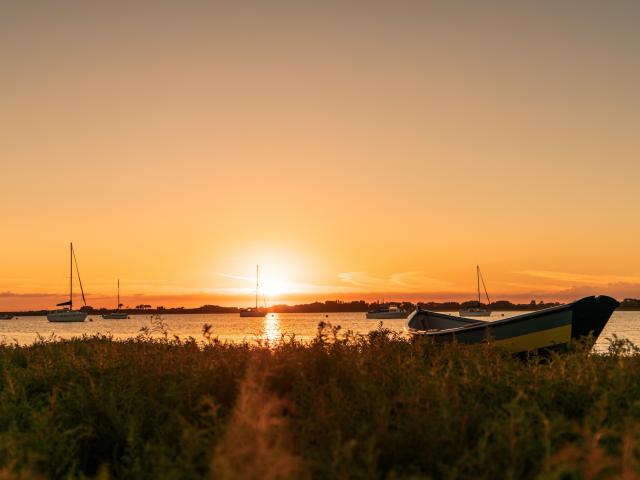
[
  {"x": 237, "y": 277},
  {"x": 411, "y": 281},
  {"x": 8, "y": 294},
  {"x": 535, "y": 287},
  {"x": 580, "y": 278}
]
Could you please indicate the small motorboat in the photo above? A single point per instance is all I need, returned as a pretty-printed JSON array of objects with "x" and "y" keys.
[
  {"x": 549, "y": 328},
  {"x": 390, "y": 312},
  {"x": 115, "y": 316},
  {"x": 475, "y": 312},
  {"x": 69, "y": 314},
  {"x": 5, "y": 316}
]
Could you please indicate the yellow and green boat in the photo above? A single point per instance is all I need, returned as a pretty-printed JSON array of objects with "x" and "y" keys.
[{"x": 549, "y": 328}]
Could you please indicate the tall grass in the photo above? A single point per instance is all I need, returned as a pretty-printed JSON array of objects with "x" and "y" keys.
[{"x": 342, "y": 406}]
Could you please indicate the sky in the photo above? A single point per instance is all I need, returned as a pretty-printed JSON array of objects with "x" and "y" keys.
[{"x": 376, "y": 150}]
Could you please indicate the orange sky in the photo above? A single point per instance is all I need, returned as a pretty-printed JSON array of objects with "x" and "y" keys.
[{"x": 352, "y": 149}]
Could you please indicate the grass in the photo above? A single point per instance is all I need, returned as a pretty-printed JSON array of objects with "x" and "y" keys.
[{"x": 342, "y": 406}]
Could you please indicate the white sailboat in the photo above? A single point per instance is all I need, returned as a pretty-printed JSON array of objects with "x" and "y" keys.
[
  {"x": 69, "y": 314},
  {"x": 479, "y": 310},
  {"x": 254, "y": 311},
  {"x": 116, "y": 314}
]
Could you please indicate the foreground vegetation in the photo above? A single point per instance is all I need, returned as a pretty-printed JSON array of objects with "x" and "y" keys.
[{"x": 343, "y": 406}]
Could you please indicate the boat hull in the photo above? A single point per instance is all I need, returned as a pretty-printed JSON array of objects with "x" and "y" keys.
[
  {"x": 4, "y": 316},
  {"x": 66, "y": 316},
  {"x": 252, "y": 313},
  {"x": 115, "y": 316},
  {"x": 549, "y": 328}
]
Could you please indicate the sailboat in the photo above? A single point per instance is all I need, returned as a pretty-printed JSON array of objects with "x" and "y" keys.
[
  {"x": 479, "y": 310},
  {"x": 117, "y": 314},
  {"x": 69, "y": 314},
  {"x": 254, "y": 311}
]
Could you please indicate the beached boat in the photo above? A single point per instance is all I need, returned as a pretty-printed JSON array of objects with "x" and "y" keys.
[
  {"x": 5, "y": 316},
  {"x": 116, "y": 314},
  {"x": 390, "y": 312},
  {"x": 254, "y": 311},
  {"x": 69, "y": 314},
  {"x": 548, "y": 328},
  {"x": 478, "y": 310}
]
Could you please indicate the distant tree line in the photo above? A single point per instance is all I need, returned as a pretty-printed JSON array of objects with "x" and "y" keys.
[
  {"x": 630, "y": 304},
  {"x": 337, "y": 306}
]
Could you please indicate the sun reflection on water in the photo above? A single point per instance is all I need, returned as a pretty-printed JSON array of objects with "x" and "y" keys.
[{"x": 271, "y": 328}]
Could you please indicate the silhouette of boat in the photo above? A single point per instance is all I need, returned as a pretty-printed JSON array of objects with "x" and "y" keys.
[
  {"x": 254, "y": 311},
  {"x": 551, "y": 327},
  {"x": 389, "y": 312},
  {"x": 116, "y": 314},
  {"x": 478, "y": 310},
  {"x": 69, "y": 314},
  {"x": 5, "y": 316}
]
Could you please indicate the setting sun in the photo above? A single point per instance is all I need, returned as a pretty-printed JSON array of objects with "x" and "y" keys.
[{"x": 274, "y": 285}]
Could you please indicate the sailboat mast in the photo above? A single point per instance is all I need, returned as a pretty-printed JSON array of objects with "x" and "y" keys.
[
  {"x": 118, "y": 308},
  {"x": 71, "y": 276},
  {"x": 478, "y": 279},
  {"x": 257, "y": 284}
]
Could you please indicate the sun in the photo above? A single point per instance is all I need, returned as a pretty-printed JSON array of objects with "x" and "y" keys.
[
  {"x": 273, "y": 284},
  {"x": 278, "y": 275}
]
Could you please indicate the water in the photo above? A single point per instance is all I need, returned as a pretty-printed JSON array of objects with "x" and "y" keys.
[{"x": 231, "y": 327}]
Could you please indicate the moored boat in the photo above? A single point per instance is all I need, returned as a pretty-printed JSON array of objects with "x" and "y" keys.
[
  {"x": 390, "y": 312},
  {"x": 116, "y": 314},
  {"x": 66, "y": 316},
  {"x": 477, "y": 310},
  {"x": 69, "y": 314},
  {"x": 254, "y": 311},
  {"x": 5, "y": 316},
  {"x": 549, "y": 328}
]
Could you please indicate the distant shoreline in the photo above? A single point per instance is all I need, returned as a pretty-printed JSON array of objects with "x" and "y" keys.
[{"x": 332, "y": 306}]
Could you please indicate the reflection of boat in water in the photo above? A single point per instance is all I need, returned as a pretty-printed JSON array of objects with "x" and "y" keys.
[
  {"x": 5, "y": 316},
  {"x": 477, "y": 310},
  {"x": 392, "y": 311},
  {"x": 551, "y": 327},
  {"x": 254, "y": 311},
  {"x": 69, "y": 314},
  {"x": 116, "y": 314}
]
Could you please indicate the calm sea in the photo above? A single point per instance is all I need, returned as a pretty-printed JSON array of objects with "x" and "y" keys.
[{"x": 230, "y": 327}]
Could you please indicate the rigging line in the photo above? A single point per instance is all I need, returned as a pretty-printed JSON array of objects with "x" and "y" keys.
[
  {"x": 484, "y": 286},
  {"x": 78, "y": 272}
]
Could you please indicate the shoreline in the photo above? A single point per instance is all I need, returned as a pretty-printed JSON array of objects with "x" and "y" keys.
[{"x": 42, "y": 313}]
